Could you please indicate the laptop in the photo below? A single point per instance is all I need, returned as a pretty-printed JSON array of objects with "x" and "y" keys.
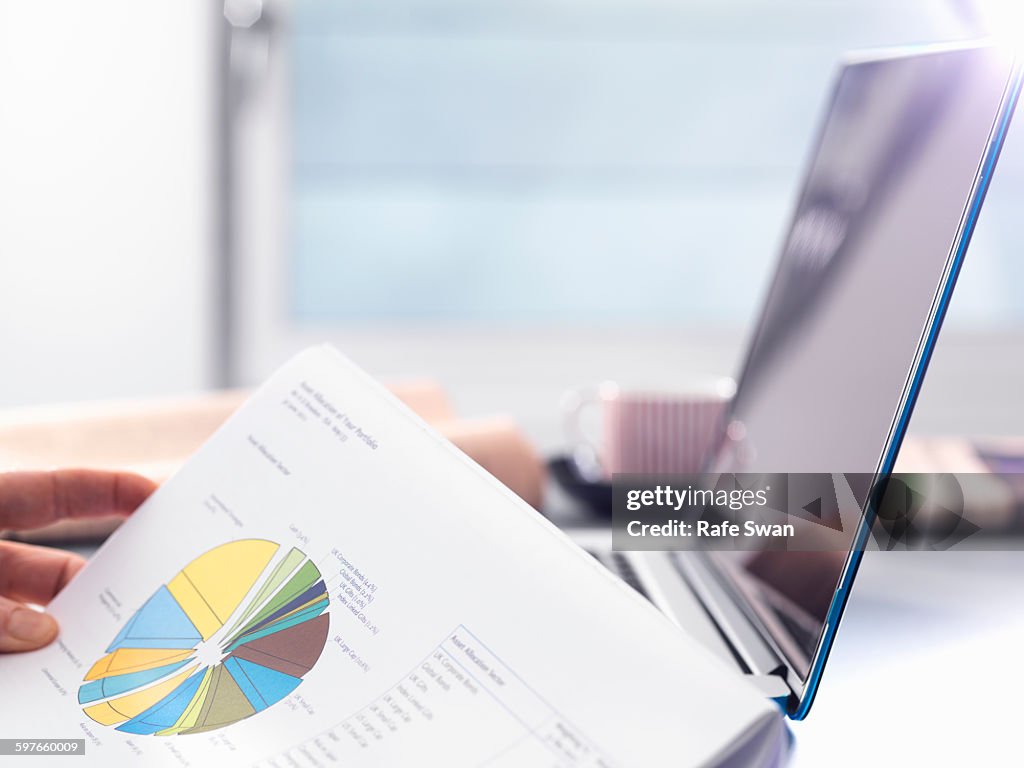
[{"x": 897, "y": 176}]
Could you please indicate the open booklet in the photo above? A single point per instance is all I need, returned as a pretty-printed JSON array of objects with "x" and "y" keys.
[{"x": 329, "y": 582}]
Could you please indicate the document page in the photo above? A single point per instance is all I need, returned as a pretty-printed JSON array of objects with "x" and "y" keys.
[{"x": 329, "y": 582}]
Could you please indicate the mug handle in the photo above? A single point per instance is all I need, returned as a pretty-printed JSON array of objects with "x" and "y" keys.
[{"x": 584, "y": 448}]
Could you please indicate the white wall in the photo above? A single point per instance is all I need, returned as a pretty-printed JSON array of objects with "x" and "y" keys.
[{"x": 106, "y": 198}]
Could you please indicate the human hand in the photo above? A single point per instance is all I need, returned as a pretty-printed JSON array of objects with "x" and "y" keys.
[{"x": 32, "y": 575}]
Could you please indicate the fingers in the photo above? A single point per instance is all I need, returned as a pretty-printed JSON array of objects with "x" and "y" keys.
[
  {"x": 35, "y": 499},
  {"x": 35, "y": 574},
  {"x": 24, "y": 629}
]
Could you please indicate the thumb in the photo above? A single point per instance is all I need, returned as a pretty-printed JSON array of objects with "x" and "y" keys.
[{"x": 23, "y": 628}]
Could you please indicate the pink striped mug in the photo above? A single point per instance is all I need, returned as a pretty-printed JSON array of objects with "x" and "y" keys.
[{"x": 644, "y": 432}]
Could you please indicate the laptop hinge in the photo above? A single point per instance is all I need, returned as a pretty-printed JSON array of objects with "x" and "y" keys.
[
  {"x": 764, "y": 666},
  {"x": 772, "y": 687}
]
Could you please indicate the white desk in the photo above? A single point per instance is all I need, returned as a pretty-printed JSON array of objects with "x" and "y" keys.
[{"x": 926, "y": 668}]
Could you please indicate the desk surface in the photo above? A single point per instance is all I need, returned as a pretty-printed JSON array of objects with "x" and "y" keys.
[{"x": 926, "y": 668}]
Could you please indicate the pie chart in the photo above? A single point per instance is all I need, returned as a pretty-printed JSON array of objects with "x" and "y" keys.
[{"x": 231, "y": 634}]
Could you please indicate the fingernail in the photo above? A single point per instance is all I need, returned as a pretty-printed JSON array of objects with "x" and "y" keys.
[{"x": 31, "y": 626}]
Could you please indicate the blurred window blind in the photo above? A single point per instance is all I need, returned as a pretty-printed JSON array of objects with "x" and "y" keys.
[{"x": 573, "y": 162}]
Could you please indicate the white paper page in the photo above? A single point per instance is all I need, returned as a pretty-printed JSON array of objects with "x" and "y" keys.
[{"x": 453, "y": 625}]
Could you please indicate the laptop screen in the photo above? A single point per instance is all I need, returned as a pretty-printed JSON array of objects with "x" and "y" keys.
[{"x": 868, "y": 249}]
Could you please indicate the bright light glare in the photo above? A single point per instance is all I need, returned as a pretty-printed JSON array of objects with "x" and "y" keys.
[{"x": 1004, "y": 20}]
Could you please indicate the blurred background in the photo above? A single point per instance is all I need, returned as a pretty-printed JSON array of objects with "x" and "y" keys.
[{"x": 512, "y": 197}]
